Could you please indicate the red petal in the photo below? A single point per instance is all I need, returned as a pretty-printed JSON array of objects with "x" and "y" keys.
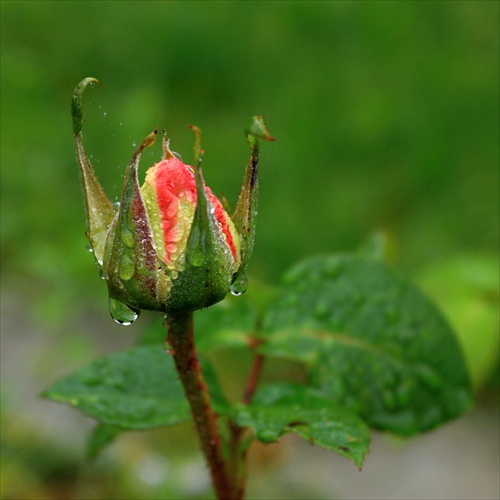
[{"x": 174, "y": 179}]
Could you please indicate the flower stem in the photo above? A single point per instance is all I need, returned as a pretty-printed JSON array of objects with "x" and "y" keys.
[
  {"x": 238, "y": 442},
  {"x": 180, "y": 329}
]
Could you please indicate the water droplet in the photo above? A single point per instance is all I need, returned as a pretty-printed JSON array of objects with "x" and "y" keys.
[
  {"x": 127, "y": 267},
  {"x": 105, "y": 113},
  {"x": 90, "y": 248},
  {"x": 429, "y": 377},
  {"x": 168, "y": 348},
  {"x": 134, "y": 144},
  {"x": 116, "y": 205},
  {"x": 127, "y": 238},
  {"x": 171, "y": 248},
  {"x": 267, "y": 436},
  {"x": 239, "y": 285},
  {"x": 121, "y": 313}
]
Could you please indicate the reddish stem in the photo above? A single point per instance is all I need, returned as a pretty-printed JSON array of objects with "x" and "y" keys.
[
  {"x": 181, "y": 339},
  {"x": 254, "y": 376},
  {"x": 237, "y": 433}
]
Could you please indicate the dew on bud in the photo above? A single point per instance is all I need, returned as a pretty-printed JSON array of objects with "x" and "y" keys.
[
  {"x": 127, "y": 238},
  {"x": 239, "y": 285},
  {"x": 127, "y": 267},
  {"x": 121, "y": 313}
]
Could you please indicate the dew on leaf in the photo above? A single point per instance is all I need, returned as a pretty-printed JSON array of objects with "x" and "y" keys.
[
  {"x": 267, "y": 436},
  {"x": 429, "y": 377},
  {"x": 121, "y": 313}
]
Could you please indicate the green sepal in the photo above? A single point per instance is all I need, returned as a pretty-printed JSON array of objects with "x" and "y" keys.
[
  {"x": 98, "y": 209},
  {"x": 245, "y": 214},
  {"x": 131, "y": 266},
  {"x": 208, "y": 268}
]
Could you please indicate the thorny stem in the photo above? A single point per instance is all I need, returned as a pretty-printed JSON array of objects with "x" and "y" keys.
[
  {"x": 228, "y": 478},
  {"x": 181, "y": 339}
]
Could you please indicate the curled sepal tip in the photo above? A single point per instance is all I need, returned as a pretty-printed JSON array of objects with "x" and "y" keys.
[
  {"x": 98, "y": 209},
  {"x": 256, "y": 127},
  {"x": 77, "y": 103},
  {"x": 197, "y": 151},
  {"x": 245, "y": 215}
]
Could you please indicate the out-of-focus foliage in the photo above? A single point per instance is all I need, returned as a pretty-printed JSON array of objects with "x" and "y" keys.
[
  {"x": 385, "y": 114},
  {"x": 466, "y": 288}
]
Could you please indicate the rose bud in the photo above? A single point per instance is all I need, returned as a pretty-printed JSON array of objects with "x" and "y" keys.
[{"x": 170, "y": 246}]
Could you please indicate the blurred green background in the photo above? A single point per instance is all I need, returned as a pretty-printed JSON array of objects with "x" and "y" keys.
[{"x": 386, "y": 116}]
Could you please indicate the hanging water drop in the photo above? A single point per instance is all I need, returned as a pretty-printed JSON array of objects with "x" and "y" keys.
[
  {"x": 121, "y": 313},
  {"x": 239, "y": 286}
]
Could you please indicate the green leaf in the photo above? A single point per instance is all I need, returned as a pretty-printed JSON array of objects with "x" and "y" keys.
[
  {"x": 281, "y": 408},
  {"x": 102, "y": 436},
  {"x": 467, "y": 289},
  {"x": 134, "y": 389},
  {"x": 373, "y": 343}
]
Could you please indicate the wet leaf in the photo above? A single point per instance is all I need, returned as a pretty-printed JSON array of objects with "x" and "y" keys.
[
  {"x": 101, "y": 437},
  {"x": 135, "y": 389},
  {"x": 372, "y": 342},
  {"x": 278, "y": 409}
]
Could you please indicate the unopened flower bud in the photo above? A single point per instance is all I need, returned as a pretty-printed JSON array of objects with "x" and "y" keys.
[{"x": 170, "y": 246}]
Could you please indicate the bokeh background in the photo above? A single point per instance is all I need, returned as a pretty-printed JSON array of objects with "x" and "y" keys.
[{"x": 386, "y": 116}]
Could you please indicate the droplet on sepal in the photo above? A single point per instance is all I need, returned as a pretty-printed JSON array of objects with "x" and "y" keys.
[
  {"x": 239, "y": 285},
  {"x": 121, "y": 313}
]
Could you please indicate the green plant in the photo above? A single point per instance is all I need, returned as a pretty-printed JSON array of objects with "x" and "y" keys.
[{"x": 374, "y": 351}]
